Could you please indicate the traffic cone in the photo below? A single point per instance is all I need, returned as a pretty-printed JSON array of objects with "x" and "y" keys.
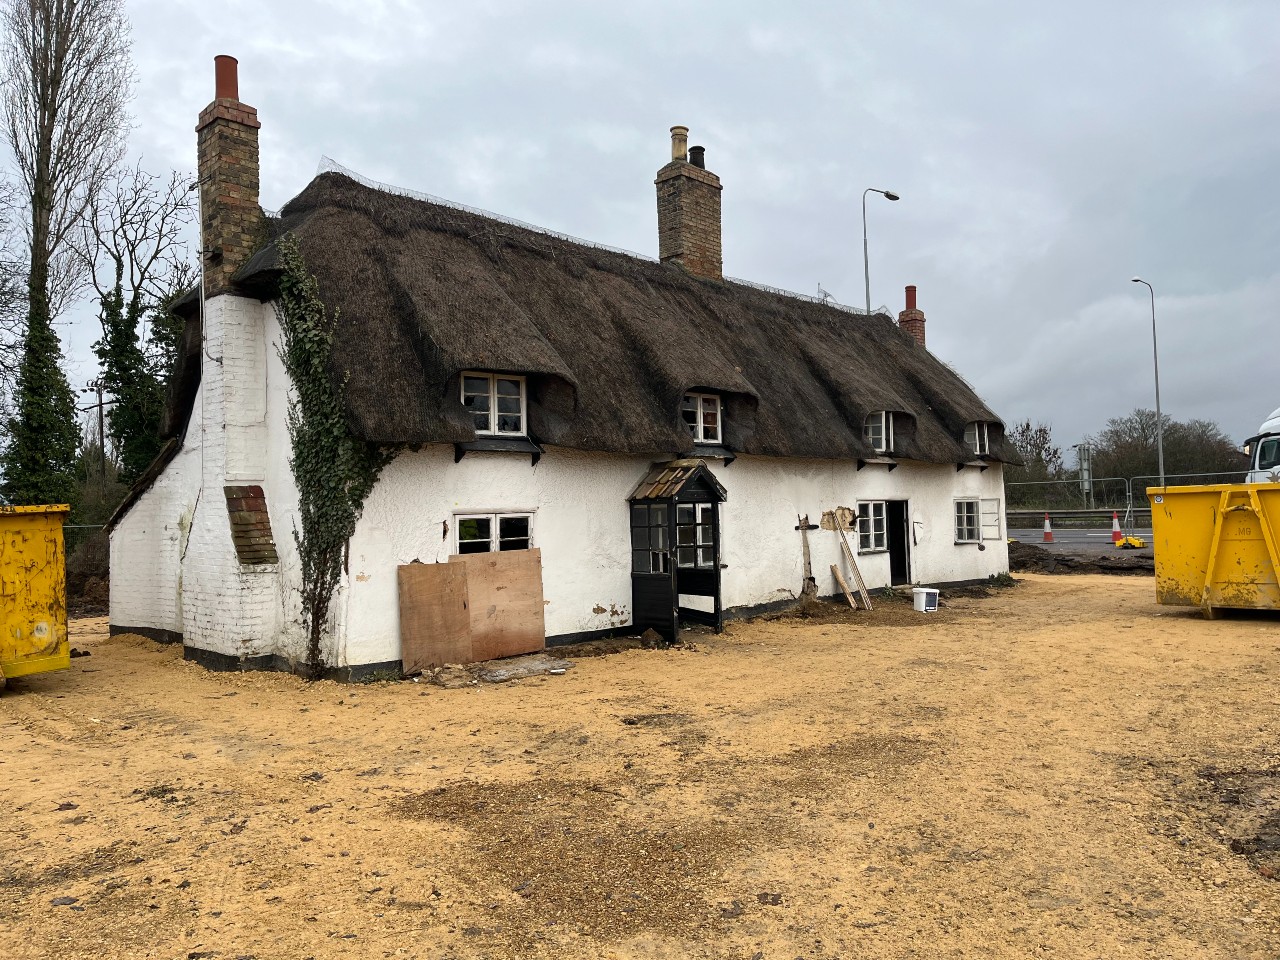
[
  {"x": 1048, "y": 530},
  {"x": 1116, "y": 535}
]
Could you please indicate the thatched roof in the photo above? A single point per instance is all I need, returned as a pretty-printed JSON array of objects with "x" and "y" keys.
[{"x": 610, "y": 342}]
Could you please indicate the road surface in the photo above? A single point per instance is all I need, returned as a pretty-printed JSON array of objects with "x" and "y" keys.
[{"x": 1076, "y": 540}]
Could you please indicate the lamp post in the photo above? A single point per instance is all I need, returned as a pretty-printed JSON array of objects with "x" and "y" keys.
[
  {"x": 866, "y": 262},
  {"x": 1155, "y": 356}
]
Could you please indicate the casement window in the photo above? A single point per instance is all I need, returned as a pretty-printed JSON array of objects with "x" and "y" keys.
[
  {"x": 701, "y": 414},
  {"x": 877, "y": 429},
  {"x": 496, "y": 403},
  {"x": 871, "y": 526},
  {"x": 968, "y": 529},
  {"x": 491, "y": 532},
  {"x": 650, "y": 552},
  {"x": 975, "y": 437},
  {"x": 695, "y": 547}
]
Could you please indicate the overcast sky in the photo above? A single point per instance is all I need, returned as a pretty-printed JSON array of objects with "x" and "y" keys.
[{"x": 1043, "y": 158}]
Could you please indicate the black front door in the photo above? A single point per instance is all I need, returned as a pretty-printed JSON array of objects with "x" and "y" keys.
[
  {"x": 898, "y": 529},
  {"x": 653, "y": 581}
]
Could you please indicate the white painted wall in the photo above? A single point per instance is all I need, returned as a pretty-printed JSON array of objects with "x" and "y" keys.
[
  {"x": 229, "y": 608},
  {"x": 581, "y": 526},
  {"x": 147, "y": 546}
]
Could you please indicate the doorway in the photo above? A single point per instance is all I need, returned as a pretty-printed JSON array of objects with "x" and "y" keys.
[
  {"x": 898, "y": 531},
  {"x": 675, "y": 547}
]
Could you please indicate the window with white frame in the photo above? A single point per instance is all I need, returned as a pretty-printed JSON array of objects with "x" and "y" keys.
[
  {"x": 701, "y": 414},
  {"x": 975, "y": 437},
  {"x": 496, "y": 403},
  {"x": 695, "y": 542},
  {"x": 968, "y": 528},
  {"x": 491, "y": 532},
  {"x": 871, "y": 526},
  {"x": 877, "y": 429}
]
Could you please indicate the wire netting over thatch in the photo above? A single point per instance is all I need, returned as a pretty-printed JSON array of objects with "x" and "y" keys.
[{"x": 610, "y": 342}]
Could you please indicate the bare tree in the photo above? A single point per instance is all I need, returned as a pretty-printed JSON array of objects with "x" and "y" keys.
[
  {"x": 132, "y": 243},
  {"x": 67, "y": 77}
]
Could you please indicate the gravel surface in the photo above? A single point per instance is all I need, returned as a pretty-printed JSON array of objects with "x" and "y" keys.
[{"x": 1062, "y": 768}]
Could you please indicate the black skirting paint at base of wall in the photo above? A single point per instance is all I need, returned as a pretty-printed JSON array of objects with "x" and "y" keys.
[
  {"x": 388, "y": 669},
  {"x": 158, "y": 634}
]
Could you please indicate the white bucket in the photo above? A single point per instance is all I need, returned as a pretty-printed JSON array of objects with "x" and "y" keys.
[{"x": 925, "y": 599}]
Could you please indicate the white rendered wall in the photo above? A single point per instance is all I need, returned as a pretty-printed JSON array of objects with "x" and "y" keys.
[
  {"x": 147, "y": 546},
  {"x": 581, "y": 526},
  {"x": 229, "y": 608}
]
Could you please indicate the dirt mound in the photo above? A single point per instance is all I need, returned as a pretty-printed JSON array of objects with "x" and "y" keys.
[{"x": 1029, "y": 558}]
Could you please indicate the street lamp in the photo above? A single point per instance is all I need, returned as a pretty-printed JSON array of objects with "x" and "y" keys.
[
  {"x": 1155, "y": 356},
  {"x": 866, "y": 263}
]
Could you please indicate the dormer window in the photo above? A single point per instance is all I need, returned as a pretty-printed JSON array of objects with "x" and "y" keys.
[
  {"x": 976, "y": 439},
  {"x": 496, "y": 403},
  {"x": 877, "y": 430},
  {"x": 701, "y": 414}
]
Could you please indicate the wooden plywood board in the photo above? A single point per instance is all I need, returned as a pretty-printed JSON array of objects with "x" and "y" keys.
[
  {"x": 435, "y": 619},
  {"x": 505, "y": 593}
]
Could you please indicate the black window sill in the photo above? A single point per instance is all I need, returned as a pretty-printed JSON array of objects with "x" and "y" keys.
[
  {"x": 879, "y": 459},
  {"x": 714, "y": 451},
  {"x": 498, "y": 445}
]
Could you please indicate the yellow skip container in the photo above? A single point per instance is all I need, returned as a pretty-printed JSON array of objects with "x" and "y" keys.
[
  {"x": 1216, "y": 546},
  {"x": 33, "y": 591}
]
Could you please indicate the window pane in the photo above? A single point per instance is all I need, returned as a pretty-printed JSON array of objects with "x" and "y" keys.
[
  {"x": 689, "y": 413},
  {"x": 706, "y": 557},
  {"x": 710, "y": 420},
  {"x": 509, "y": 527},
  {"x": 508, "y": 387},
  {"x": 659, "y": 562},
  {"x": 509, "y": 424},
  {"x": 685, "y": 556},
  {"x": 481, "y": 422},
  {"x": 658, "y": 538},
  {"x": 864, "y": 541},
  {"x": 658, "y": 514},
  {"x": 519, "y": 543},
  {"x": 640, "y": 538},
  {"x": 474, "y": 528},
  {"x": 474, "y": 401},
  {"x": 474, "y": 546},
  {"x": 640, "y": 561},
  {"x": 684, "y": 535},
  {"x": 509, "y": 405},
  {"x": 704, "y": 533},
  {"x": 684, "y": 513},
  {"x": 475, "y": 385},
  {"x": 639, "y": 514},
  {"x": 1268, "y": 454}
]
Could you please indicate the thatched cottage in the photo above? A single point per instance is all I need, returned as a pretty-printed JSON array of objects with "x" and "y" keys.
[{"x": 654, "y": 429}]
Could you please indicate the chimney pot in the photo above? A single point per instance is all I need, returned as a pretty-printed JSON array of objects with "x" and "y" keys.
[
  {"x": 679, "y": 143},
  {"x": 911, "y": 297},
  {"x": 226, "y": 83},
  {"x": 697, "y": 157}
]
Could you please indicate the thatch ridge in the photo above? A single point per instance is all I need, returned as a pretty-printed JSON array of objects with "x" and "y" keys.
[{"x": 610, "y": 342}]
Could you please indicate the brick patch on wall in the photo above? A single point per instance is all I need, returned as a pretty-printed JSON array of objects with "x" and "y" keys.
[{"x": 250, "y": 525}]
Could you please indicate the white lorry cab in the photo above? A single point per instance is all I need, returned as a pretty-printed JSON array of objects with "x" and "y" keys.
[{"x": 1264, "y": 452}]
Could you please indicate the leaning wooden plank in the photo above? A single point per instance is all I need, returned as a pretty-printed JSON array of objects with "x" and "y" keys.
[
  {"x": 505, "y": 592},
  {"x": 853, "y": 568},
  {"x": 435, "y": 623},
  {"x": 835, "y": 572}
]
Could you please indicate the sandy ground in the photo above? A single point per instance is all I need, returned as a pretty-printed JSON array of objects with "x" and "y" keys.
[{"x": 1062, "y": 769}]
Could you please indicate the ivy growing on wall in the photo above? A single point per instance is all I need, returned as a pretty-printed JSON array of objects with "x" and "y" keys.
[{"x": 334, "y": 472}]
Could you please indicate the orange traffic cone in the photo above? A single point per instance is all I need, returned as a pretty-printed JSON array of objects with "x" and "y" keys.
[
  {"x": 1048, "y": 530},
  {"x": 1116, "y": 535}
]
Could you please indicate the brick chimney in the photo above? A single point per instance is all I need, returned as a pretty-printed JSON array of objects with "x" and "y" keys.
[
  {"x": 689, "y": 210},
  {"x": 227, "y": 150},
  {"x": 912, "y": 320}
]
